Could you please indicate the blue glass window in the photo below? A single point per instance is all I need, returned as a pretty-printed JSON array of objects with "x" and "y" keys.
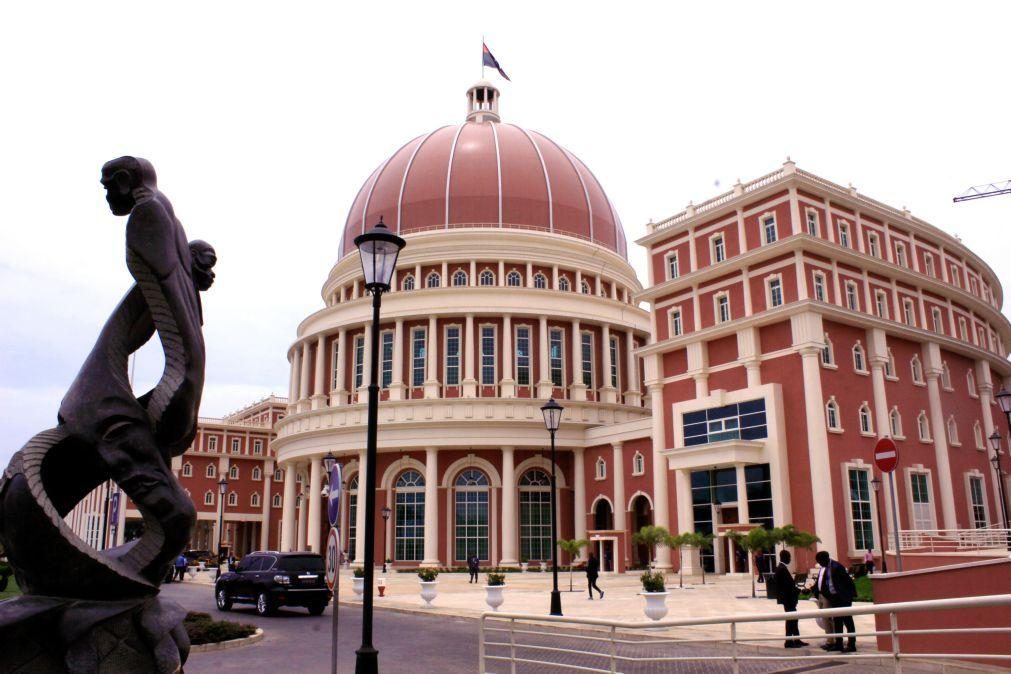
[{"x": 740, "y": 421}]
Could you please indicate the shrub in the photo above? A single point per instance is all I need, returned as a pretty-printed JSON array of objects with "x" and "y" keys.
[
  {"x": 427, "y": 575},
  {"x": 203, "y": 629},
  {"x": 359, "y": 572},
  {"x": 496, "y": 579},
  {"x": 653, "y": 581}
]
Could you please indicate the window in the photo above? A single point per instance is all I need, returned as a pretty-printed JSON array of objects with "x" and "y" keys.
[
  {"x": 851, "y": 296},
  {"x": 675, "y": 323},
  {"x": 584, "y": 287},
  {"x": 827, "y": 352},
  {"x": 946, "y": 377},
  {"x": 586, "y": 357},
  {"x": 278, "y": 475},
  {"x": 487, "y": 278},
  {"x": 977, "y": 502},
  {"x": 860, "y": 509},
  {"x": 769, "y": 228},
  {"x": 233, "y": 499},
  {"x": 513, "y": 279},
  {"x": 872, "y": 245},
  {"x": 563, "y": 284},
  {"x": 258, "y": 447},
  {"x": 212, "y": 444},
  {"x": 900, "y": 254},
  {"x": 859, "y": 360},
  {"x": 256, "y": 474},
  {"x": 236, "y": 445},
  {"x": 719, "y": 249},
  {"x": 187, "y": 470},
  {"x": 953, "y": 432},
  {"x": 973, "y": 286},
  {"x": 866, "y": 422},
  {"x": 210, "y": 472},
  {"x": 956, "y": 280},
  {"x": 387, "y": 347},
  {"x": 333, "y": 364},
  {"x": 453, "y": 355},
  {"x": 908, "y": 317},
  {"x": 471, "y": 514},
  {"x": 880, "y": 304},
  {"x": 812, "y": 222},
  {"x": 408, "y": 283},
  {"x": 890, "y": 366},
  {"x": 919, "y": 484},
  {"x": 556, "y": 337},
  {"x": 600, "y": 469},
  {"x": 613, "y": 346},
  {"x": 832, "y": 415},
  {"x": 917, "y": 369},
  {"x": 459, "y": 278},
  {"x": 522, "y": 355},
  {"x": 977, "y": 435},
  {"x": 895, "y": 423},
  {"x": 672, "y": 266},
  {"x": 433, "y": 280},
  {"x": 418, "y": 339},
  {"x": 935, "y": 317},
  {"x": 488, "y": 355},
  {"x": 276, "y": 501},
  {"x": 352, "y": 517},
  {"x": 844, "y": 235},
  {"x": 819, "y": 286},
  {"x": 535, "y": 515},
  {"x": 254, "y": 500},
  {"x": 923, "y": 426},
  {"x": 233, "y": 472},
  {"x": 963, "y": 331},
  {"x": 722, "y": 308},
  {"x": 970, "y": 382},
  {"x": 638, "y": 464},
  {"x": 359, "y": 361},
  {"x": 738, "y": 421},
  {"x": 409, "y": 520},
  {"x": 540, "y": 281},
  {"x": 775, "y": 292},
  {"x": 208, "y": 497},
  {"x": 928, "y": 264}
]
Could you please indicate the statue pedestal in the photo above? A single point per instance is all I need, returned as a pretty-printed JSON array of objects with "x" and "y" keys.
[{"x": 44, "y": 635}]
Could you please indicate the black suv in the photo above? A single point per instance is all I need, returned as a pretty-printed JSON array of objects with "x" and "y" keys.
[{"x": 272, "y": 579}]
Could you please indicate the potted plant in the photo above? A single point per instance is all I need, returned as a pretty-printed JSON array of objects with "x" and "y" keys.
[
  {"x": 524, "y": 563},
  {"x": 381, "y": 586},
  {"x": 427, "y": 579},
  {"x": 358, "y": 581},
  {"x": 494, "y": 588},
  {"x": 655, "y": 591}
]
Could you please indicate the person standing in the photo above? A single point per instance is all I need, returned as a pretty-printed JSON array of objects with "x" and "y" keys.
[
  {"x": 869, "y": 561},
  {"x": 592, "y": 571},
  {"x": 758, "y": 566},
  {"x": 180, "y": 567},
  {"x": 835, "y": 583},
  {"x": 787, "y": 594},
  {"x": 473, "y": 565}
]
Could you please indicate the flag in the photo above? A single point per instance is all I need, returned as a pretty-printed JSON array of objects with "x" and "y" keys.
[{"x": 491, "y": 62}]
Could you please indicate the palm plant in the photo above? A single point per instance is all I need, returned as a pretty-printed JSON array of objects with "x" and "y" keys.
[
  {"x": 572, "y": 546},
  {"x": 676, "y": 542},
  {"x": 758, "y": 538},
  {"x": 651, "y": 536}
]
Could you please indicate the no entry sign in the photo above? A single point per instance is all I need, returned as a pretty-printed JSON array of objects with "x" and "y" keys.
[{"x": 886, "y": 455}]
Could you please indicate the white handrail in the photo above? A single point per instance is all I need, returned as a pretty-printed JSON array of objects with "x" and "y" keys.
[{"x": 954, "y": 540}]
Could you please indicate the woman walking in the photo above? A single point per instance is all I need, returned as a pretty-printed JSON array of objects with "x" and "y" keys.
[{"x": 592, "y": 571}]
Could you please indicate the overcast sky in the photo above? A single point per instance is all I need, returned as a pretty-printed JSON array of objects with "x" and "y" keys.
[{"x": 264, "y": 119}]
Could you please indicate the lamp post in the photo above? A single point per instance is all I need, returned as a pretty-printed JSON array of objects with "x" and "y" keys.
[
  {"x": 552, "y": 412},
  {"x": 995, "y": 460},
  {"x": 222, "y": 488},
  {"x": 386, "y": 519},
  {"x": 876, "y": 486},
  {"x": 379, "y": 249}
]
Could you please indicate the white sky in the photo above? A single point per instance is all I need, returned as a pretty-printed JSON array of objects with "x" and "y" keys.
[{"x": 263, "y": 120}]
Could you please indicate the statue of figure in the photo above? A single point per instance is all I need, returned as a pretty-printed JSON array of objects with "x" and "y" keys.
[{"x": 105, "y": 431}]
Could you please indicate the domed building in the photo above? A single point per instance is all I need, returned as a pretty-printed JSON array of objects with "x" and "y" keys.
[{"x": 514, "y": 287}]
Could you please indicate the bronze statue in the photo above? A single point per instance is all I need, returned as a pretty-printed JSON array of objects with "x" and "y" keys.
[{"x": 104, "y": 432}]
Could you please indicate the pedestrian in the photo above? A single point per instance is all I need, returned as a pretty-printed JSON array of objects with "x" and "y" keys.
[
  {"x": 181, "y": 563},
  {"x": 834, "y": 582},
  {"x": 869, "y": 561},
  {"x": 758, "y": 566},
  {"x": 592, "y": 571},
  {"x": 608, "y": 566},
  {"x": 474, "y": 566},
  {"x": 787, "y": 594}
]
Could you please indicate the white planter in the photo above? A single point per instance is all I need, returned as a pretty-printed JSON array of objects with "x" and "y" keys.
[
  {"x": 191, "y": 571},
  {"x": 656, "y": 604},
  {"x": 544, "y": 566},
  {"x": 428, "y": 591},
  {"x": 494, "y": 598},
  {"x": 523, "y": 567},
  {"x": 358, "y": 585}
]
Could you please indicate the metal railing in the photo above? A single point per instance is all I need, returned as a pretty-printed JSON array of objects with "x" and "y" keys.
[
  {"x": 953, "y": 540},
  {"x": 558, "y": 643}
]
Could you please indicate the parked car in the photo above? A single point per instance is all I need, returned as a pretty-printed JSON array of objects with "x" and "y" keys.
[
  {"x": 197, "y": 556},
  {"x": 271, "y": 579}
]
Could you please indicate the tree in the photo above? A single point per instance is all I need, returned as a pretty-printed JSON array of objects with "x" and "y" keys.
[
  {"x": 676, "y": 542},
  {"x": 758, "y": 538},
  {"x": 572, "y": 546},
  {"x": 795, "y": 538},
  {"x": 651, "y": 536},
  {"x": 701, "y": 541}
]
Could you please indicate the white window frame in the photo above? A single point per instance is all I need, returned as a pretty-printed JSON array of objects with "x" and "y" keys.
[
  {"x": 187, "y": 469},
  {"x": 589, "y": 371},
  {"x": 770, "y": 230},
  {"x": 813, "y": 225},
  {"x": 946, "y": 377},
  {"x": 236, "y": 445},
  {"x": 975, "y": 474},
  {"x": 208, "y": 497},
  {"x": 970, "y": 383},
  {"x": 908, "y": 312},
  {"x": 358, "y": 363},
  {"x": 561, "y": 358},
  {"x": 852, "y": 298},
  {"x": 233, "y": 472},
  {"x": 423, "y": 359},
  {"x": 584, "y": 287},
  {"x": 516, "y": 355},
  {"x": 865, "y": 420},
  {"x": 928, "y": 265},
  {"x": 481, "y": 354},
  {"x": 977, "y": 435},
  {"x": 676, "y": 324},
  {"x": 433, "y": 279},
  {"x": 820, "y": 292},
  {"x": 951, "y": 430},
  {"x": 457, "y": 275},
  {"x": 832, "y": 410},
  {"x": 858, "y": 465},
  {"x": 615, "y": 374},
  {"x": 446, "y": 354},
  {"x": 873, "y": 245},
  {"x": 916, "y": 369},
  {"x": 900, "y": 254},
  {"x": 563, "y": 283},
  {"x": 895, "y": 423},
  {"x": 212, "y": 443},
  {"x": 774, "y": 285},
  {"x": 829, "y": 350},
  {"x": 257, "y": 447},
  {"x": 278, "y": 475},
  {"x": 859, "y": 358},
  {"x": 254, "y": 500},
  {"x": 233, "y": 499},
  {"x": 486, "y": 275},
  {"x": 540, "y": 281},
  {"x": 963, "y": 329},
  {"x": 937, "y": 320},
  {"x": 386, "y": 366},
  {"x": 638, "y": 463},
  {"x": 514, "y": 279},
  {"x": 276, "y": 501},
  {"x": 923, "y": 427},
  {"x": 256, "y": 474},
  {"x": 844, "y": 234},
  {"x": 408, "y": 283},
  {"x": 718, "y": 247},
  {"x": 913, "y": 517},
  {"x": 881, "y": 304},
  {"x": 211, "y": 471},
  {"x": 673, "y": 269},
  {"x": 890, "y": 373},
  {"x": 717, "y": 307},
  {"x": 600, "y": 469}
]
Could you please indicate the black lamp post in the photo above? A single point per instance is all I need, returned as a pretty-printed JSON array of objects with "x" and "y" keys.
[
  {"x": 329, "y": 461},
  {"x": 876, "y": 486},
  {"x": 379, "y": 249},
  {"x": 386, "y": 519},
  {"x": 995, "y": 460},
  {"x": 552, "y": 412},
  {"x": 222, "y": 488}
]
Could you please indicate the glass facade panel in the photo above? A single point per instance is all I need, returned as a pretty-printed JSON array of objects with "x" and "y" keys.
[
  {"x": 535, "y": 516},
  {"x": 556, "y": 339},
  {"x": 860, "y": 509},
  {"x": 387, "y": 374},
  {"x": 471, "y": 515},
  {"x": 418, "y": 338},
  {"x": 977, "y": 502},
  {"x": 586, "y": 354},
  {"x": 740, "y": 421},
  {"x": 409, "y": 523},
  {"x": 487, "y": 355},
  {"x": 452, "y": 356},
  {"x": 523, "y": 356}
]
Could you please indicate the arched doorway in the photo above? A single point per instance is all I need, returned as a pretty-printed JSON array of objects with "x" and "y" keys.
[
  {"x": 642, "y": 515},
  {"x": 603, "y": 516}
]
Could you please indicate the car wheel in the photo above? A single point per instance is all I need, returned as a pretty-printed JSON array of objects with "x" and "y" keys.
[
  {"x": 263, "y": 604},
  {"x": 223, "y": 600},
  {"x": 317, "y": 608}
]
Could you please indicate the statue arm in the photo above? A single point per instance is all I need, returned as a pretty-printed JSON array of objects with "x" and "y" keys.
[{"x": 151, "y": 235}]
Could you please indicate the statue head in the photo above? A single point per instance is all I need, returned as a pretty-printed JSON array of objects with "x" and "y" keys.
[
  {"x": 126, "y": 180},
  {"x": 204, "y": 259}
]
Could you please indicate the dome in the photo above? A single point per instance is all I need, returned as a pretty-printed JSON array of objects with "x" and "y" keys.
[{"x": 484, "y": 173}]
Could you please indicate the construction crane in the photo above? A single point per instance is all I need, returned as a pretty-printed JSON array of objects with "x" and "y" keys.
[{"x": 983, "y": 191}]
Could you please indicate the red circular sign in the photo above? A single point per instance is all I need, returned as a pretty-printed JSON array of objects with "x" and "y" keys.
[
  {"x": 333, "y": 560},
  {"x": 886, "y": 455}
]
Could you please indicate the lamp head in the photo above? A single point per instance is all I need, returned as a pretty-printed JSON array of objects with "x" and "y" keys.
[
  {"x": 386, "y": 513},
  {"x": 328, "y": 462},
  {"x": 1003, "y": 399},
  {"x": 222, "y": 486},
  {"x": 552, "y": 412},
  {"x": 876, "y": 484},
  {"x": 995, "y": 441},
  {"x": 379, "y": 248}
]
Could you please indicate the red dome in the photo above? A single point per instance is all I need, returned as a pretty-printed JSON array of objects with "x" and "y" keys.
[{"x": 485, "y": 174}]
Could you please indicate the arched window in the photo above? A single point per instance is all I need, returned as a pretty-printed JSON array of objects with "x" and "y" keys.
[
  {"x": 459, "y": 278},
  {"x": 917, "y": 368},
  {"x": 827, "y": 352},
  {"x": 945, "y": 376},
  {"x": 276, "y": 501},
  {"x": 514, "y": 279},
  {"x": 535, "y": 515},
  {"x": 233, "y": 499},
  {"x": 257, "y": 473},
  {"x": 601, "y": 468},
  {"x": 540, "y": 281},
  {"x": 187, "y": 469},
  {"x": 953, "y": 432},
  {"x": 895, "y": 422},
  {"x": 638, "y": 464},
  {"x": 210, "y": 472},
  {"x": 254, "y": 500},
  {"x": 471, "y": 514},
  {"x": 970, "y": 381},
  {"x": 923, "y": 426},
  {"x": 584, "y": 287},
  {"x": 859, "y": 362},
  {"x": 433, "y": 280},
  {"x": 890, "y": 365},
  {"x": 866, "y": 425},
  {"x": 409, "y": 524},
  {"x": 832, "y": 414},
  {"x": 208, "y": 497},
  {"x": 233, "y": 472},
  {"x": 408, "y": 282},
  {"x": 352, "y": 517},
  {"x": 278, "y": 475},
  {"x": 563, "y": 284},
  {"x": 487, "y": 278},
  {"x": 977, "y": 435}
]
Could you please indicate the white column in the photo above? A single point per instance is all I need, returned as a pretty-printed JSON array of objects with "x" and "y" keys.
[
  {"x": 315, "y": 505},
  {"x": 984, "y": 385},
  {"x": 319, "y": 395},
  {"x": 362, "y": 394},
  {"x": 360, "y": 510},
  {"x": 507, "y": 388},
  {"x": 608, "y": 393},
  {"x": 577, "y": 389},
  {"x": 689, "y": 561},
  {"x": 397, "y": 385},
  {"x": 510, "y": 530},
  {"x": 579, "y": 495},
  {"x": 296, "y": 368},
  {"x": 303, "y": 513},
  {"x": 303, "y": 386},
  {"x": 543, "y": 360},
  {"x": 817, "y": 449},
  {"x": 661, "y": 506},
  {"x": 473, "y": 273},
  {"x": 469, "y": 349},
  {"x": 431, "y": 507},
  {"x": 620, "y": 505},
  {"x": 432, "y": 360},
  {"x": 339, "y": 396},
  {"x": 633, "y": 396},
  {"x": 266, "y": 505},
  {"x": 932, "y": 369},
  {"x": 288, "y": 509}
]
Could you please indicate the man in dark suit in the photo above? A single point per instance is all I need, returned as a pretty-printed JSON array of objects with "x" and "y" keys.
[
  {"x": 834, "y": 582},
  {"x": 787, "y": 595}
]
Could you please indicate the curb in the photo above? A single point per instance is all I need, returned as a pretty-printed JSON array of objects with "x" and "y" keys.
[{"x": 231, "y": 643}]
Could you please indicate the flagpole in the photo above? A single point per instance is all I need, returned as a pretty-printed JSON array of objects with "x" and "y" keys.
[{"x": 482, "y": 56}]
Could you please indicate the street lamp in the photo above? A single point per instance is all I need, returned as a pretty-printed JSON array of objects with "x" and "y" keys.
[
  {"x": 379, "y": 249},
  {"x": 222, "y": 488},
  {"x": 876, "y": 486},
  {"x": 552, "y": 412},
  {"x": 328, "y": 462},
  {"x": 995, "y": 460},
  {"x": 386, "y": 519}
]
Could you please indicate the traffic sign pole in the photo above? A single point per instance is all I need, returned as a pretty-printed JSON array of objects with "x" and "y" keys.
[
  {"x": 333, "y": 511},
  {"x": 886, "y": 458},
  {"x": 895, "y": 519}
]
